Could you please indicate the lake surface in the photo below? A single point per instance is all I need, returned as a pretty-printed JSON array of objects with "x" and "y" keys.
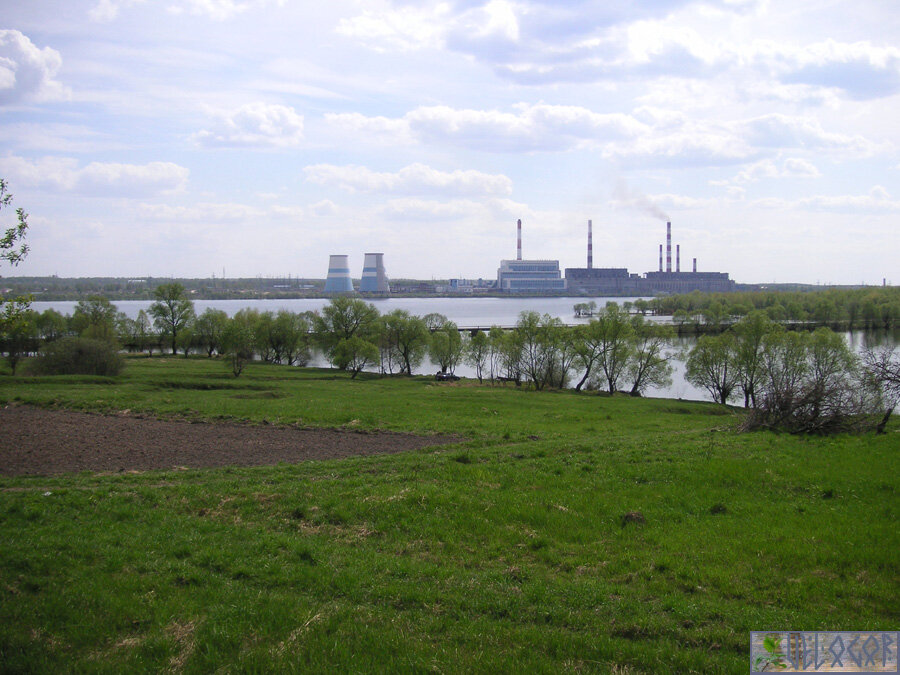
[{"x": 467, "y": 311}]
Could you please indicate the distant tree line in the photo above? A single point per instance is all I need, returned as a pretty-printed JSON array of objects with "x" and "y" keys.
[{"x": 875, "y": 307}]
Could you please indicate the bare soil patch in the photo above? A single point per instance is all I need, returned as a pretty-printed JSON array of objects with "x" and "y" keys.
[{"x": 35, "y": 441}]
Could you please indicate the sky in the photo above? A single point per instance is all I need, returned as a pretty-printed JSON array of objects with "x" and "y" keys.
[{"x": 196, "y": 138}]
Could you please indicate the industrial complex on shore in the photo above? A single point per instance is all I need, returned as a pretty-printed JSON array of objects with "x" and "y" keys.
[{"x": 543, "y": 277}]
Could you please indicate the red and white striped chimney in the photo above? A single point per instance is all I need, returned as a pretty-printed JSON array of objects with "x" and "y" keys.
[
  {"x": 695, "y": 265},
  {"x": 678, "y": 257},
  {"x": 668, "y": 247},
  {"x": 519, "y": 239},
  {"x": 660, "y": 257},
  {"x": 590, "y": 246}
]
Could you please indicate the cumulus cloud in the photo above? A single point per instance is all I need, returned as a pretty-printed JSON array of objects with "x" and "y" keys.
[
  {"x": 253, "y": 125},
  {"x": 26, "y": 72},
  {"x": 539, "y": 127},
  {"x": 63, "y": 174},
  {"x": 412, "y": 179}
]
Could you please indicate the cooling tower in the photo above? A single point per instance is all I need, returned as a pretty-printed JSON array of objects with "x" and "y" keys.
[
  {"x": 338, "y": 280},
  {"x": 374, "y": 278}
]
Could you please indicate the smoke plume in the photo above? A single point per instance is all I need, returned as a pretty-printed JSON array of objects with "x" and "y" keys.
[{"x": 625, "y": 197}]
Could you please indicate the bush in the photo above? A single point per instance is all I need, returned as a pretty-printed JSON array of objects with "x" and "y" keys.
[{"x": 78, "y": 356}]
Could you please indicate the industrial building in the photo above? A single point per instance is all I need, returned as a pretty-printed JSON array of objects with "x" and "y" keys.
[
  {"x": 338, "y": 279},
  {"x": 374, "y": 278},
  {"x": 617, "y": 281},
  {"x": 529, "y": 276}
]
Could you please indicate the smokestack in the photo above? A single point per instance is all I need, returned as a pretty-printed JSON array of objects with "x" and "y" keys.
[
  {"x": 519, "y": 240},
  {"x": 668, "y": 247},
  {"x": 660, "y": 257},
  {"x": 695, "y": 266},
  {"x": 678, "y": 257},
  {"x": 590, "y": 246}
]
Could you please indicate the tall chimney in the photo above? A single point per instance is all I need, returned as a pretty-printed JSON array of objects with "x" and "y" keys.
[
  {"x": 590, "y": 247},
  {"x": 668, "y": 247},
  {"x": 695, "y": 266},
  {"x": 677, "y": 257},
  {"x": 660, "y": 257},
  {"x": 519, "y": 239}
]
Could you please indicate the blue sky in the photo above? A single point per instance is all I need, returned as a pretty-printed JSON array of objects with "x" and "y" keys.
[{"x": 188, "y": 137}]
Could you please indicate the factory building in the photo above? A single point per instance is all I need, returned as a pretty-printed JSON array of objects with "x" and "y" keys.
[
  {"x": 529, "y": 276},
  {"x": 617, "y": 281},
  {"x": 338, "y": 279},
  {"x": 374, "y": 278}
]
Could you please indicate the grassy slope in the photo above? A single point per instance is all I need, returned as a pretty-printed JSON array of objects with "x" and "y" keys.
[{"x": 505, "y": 552}]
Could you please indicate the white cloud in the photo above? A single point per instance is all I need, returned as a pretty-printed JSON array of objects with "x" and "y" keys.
[
  {"x": 878, "y": 200},
  {"x": 219, "y": 10},
  {"x": 26, "y": 72},
  {"x": 792, "y": 167},
  {"x": 97, "y": 178},
  {"x": 254, "y": 125},
  {"x": 412, "y": 179},
  {"x": 406, "y": 29},
  {"x": 539, "y": 127}
]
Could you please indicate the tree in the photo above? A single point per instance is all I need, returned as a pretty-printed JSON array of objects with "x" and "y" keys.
[
  {"x": 15, "y": 323},
  {"x": 882, "y": 369},
  {"x": 13, "y": 248},
  {"x": 612, "y": 332},
  {"x": 209, "y": 329},
  {"x": 649, "y": 364},
  {"x": 343, "y": 318},
  {"x": 477, "y": 352},
  {"x": 446, "y": 345},
  {"x": 536, "y": 355},
  {"x": 51, "y": 325},
  {"x": 749, "y": 334},
  {"x": 405, "y": 339},
  {"x": 355, "y": 353},
  {"x": 710, "y": 366},
  {"x": 95, "y": 318},
  {"x": 291, "y": 334},
  {"x": 172, "y": 312},
  {"x": 238, "y": 339},
  {"x": 19, "y": 332}
]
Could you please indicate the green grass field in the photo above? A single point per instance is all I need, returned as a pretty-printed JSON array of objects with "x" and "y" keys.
[{"x": 506, "y": 552}]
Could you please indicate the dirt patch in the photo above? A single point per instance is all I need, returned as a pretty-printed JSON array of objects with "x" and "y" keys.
[{"x": 35, "y": 441}]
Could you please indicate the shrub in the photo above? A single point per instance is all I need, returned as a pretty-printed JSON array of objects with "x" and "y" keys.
[{"x": 78, "y": 356}]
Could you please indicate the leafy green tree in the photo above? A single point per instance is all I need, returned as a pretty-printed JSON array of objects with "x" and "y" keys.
[
  {"x": 238, "y": 339},
  {"x": 343, "y": 318},
  {"x": 95, "y": 318},
  {"x": 535, "y": 337},
  {"x": 172, "y": 312},
  {"x": 446, "y": 346},
  {"x": 19, "y": 331},
  {"x": 477, "y": 353},
  {"x": 749, "y": 334},
  {"x": 710, "y": 366},
  {"x": 355, "y": 354},
  {"x": 51, "y": 325},
  {"x": 649, "y": 363},
  {"x": 210, "y": 328},
  {"x": 291, "y": 334},
  {"x": 406, "y": 339},
  {"x": 13, "y": 248},
  {"x": 612, "y": 330}
]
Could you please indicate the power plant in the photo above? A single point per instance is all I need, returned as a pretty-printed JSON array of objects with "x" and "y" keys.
[
  {"x": 617, "y": 280},
  {"x": 338, "y": 279},
  {"x": 374, "y": 278},
  {"x": 529, "y": 276}
]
